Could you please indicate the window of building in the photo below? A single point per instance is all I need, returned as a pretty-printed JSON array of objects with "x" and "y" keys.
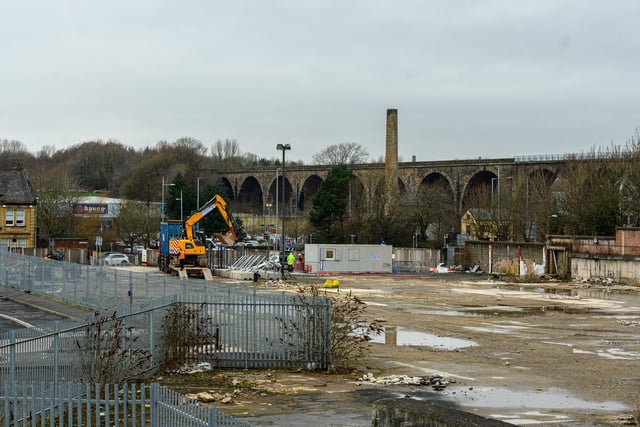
[
  {"x": 329, "y": 254},
  {"x": 14, "y": 218},
  {"x": 9, "y": 218},
  {"x": 20, "y": 218},
  {"x": 15, "y": 243}
]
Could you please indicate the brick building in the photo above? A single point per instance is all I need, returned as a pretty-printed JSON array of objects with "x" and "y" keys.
[{"x": 17, "y": 210}]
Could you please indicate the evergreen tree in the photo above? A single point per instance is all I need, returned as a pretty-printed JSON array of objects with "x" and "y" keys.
[{"x": 329, "y": 206}]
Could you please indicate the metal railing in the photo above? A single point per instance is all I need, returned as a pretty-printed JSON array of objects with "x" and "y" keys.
[
  {"x": 76, "y": 404},
  {"x": 100, "y": 287},
  {"x": 248, "y": 331}
]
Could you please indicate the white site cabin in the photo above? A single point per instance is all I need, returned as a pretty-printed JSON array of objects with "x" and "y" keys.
[{"x": 335, "y": 258}]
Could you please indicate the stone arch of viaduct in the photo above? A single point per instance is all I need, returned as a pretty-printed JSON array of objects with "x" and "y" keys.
[{"x": 256, "y": 190}]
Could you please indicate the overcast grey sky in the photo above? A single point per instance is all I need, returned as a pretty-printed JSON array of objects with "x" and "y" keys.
[{"x": 490, "y": 78}]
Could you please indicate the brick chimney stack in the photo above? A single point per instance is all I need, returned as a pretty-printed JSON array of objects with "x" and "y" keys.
[{"x": 391, "y": 157}]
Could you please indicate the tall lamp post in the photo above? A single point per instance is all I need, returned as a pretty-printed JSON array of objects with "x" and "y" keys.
[
  {"x": 198, "y": 192},
  {"x": 162, "y": 207},
  {"x": 276, "y": 241},
  {"x": 181, "y": 219},
  {"x": 284, "y": 148}
]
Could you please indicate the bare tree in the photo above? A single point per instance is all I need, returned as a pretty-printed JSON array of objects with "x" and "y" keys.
[
  {"x": 591, "y": 200},
  {"x": 226, "y": 154},
  {"x": 55, "y": 201},
  {"x": 430, "y": 212},
  {"x": 345, "y": 153},
  {"x": 136, "y": 223}
]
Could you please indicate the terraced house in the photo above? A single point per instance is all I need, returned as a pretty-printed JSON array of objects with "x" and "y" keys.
[{"x": 17, "y": 210}]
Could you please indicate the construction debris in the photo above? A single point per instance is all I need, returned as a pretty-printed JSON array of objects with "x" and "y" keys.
[{"x": 437, "y": 382}]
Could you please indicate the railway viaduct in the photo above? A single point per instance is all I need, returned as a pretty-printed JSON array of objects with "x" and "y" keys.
[{"x": 256, "y": 190}]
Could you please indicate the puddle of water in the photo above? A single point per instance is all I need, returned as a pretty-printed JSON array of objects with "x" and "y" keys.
[
  {"x": 492, "y": 397},
  {"x": 508, "y": 311},
  {"x": 409, "y": 337},
  {"x": 618, "y": 294},
  {"x": 611, "y": 353},
  {"x": 443, "y": 313}
]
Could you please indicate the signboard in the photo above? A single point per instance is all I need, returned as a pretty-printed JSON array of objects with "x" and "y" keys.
[{"x": 91, "y": 208}]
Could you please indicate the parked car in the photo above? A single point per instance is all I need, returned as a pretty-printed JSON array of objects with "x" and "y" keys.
[
  {"x": 115, "y": 258},
  {"x": 56, "y": 254}
]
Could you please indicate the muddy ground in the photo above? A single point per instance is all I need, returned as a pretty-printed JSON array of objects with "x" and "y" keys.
[{"x": 548, "y": 353}]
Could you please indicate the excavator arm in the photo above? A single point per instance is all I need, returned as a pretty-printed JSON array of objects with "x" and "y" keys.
[{"x": 216, "y": 202}]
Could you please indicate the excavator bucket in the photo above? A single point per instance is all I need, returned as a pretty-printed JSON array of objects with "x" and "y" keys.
[{"x": 227, "y": 238}]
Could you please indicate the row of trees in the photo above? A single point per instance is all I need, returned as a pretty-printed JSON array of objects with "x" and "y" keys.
[
  {"x": 596, "y": 194},
  {"x": 60, "y": 177}
]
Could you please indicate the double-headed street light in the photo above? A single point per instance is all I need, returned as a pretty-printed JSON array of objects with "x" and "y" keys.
[
  {"x": 163, "y": 207},
  {"x": 284, "y": 148}
]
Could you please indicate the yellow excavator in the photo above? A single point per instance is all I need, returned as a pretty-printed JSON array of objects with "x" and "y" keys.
[{"x": 194, "y": 248}]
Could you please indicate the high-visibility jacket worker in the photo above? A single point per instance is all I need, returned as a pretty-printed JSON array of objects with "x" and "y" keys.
[{"x": 291, "y": 259}]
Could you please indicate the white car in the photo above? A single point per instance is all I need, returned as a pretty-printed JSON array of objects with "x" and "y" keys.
[{"x": 115, "y": 259}]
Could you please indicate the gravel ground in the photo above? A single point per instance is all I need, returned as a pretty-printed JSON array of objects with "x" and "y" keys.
[{"x": 525, "y": 353}]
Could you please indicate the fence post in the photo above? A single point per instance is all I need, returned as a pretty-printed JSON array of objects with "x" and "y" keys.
[
  {"x": 146, "y": 285},
  {"x": 213, "y": 417},
  {"x": 153, "y": 404},
  {"x": 23, "y": 282},
  {"x": 12, "y": 358},
  {"x": 115, "y": 285},
  {"x": 56, "y": 353},
  {"x": 29, "y": 277},
  {"x": 152, "y": 333}
]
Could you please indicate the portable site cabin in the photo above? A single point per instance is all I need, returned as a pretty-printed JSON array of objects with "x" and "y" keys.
[{"x": 334, "y": 258}]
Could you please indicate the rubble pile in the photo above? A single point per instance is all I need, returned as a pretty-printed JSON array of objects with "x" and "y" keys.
[
  {"x": 437, "y": 382},
  {"x": 212, "y": 396},
  {"x": 191, "y": 368},
  {"x": 277, "y": 283}
]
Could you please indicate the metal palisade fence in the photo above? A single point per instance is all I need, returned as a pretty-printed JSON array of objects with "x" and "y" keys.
[
  {"x": 73, "y": 404},
  {"x": 245, "y": 327},
  {"x": 98, "y": 287},
  {"x": 244, "y": 331}
]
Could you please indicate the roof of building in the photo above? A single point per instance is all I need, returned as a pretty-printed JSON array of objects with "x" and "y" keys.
[{"x": 15, "y": 188}]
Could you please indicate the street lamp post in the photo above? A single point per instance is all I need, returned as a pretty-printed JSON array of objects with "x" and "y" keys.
[
  {"x": 276, "y": 241},
  {"x": 181, "y": 215},
  {"x": 163, "y": 207},
  {"x": 551, "y": 218},
  {"x": 198, "y": 192},
  {"x": 267, "y": 224},
  {"x": 284, "y": 148}
]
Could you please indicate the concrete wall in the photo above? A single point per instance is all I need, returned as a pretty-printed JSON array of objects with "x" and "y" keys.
[
  {"x": 504, "y": 257},
  {"x": 625, "y": 269},
  {"x": 336, "y": 258}
]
